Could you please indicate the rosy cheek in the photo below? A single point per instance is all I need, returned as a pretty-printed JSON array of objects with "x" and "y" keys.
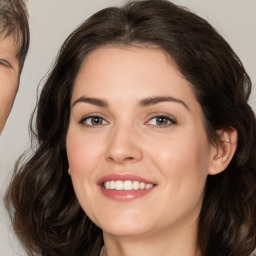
[
  {"x": 81, "y": 152},
  {"x": 73, "y": 149}
]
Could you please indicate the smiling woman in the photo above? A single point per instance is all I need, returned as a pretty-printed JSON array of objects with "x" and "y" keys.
[
  {"x": 145, "y": 142},
  {"x": 134, "y": 158}
]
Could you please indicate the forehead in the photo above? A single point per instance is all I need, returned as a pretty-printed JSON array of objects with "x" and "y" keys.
[
  {"x": 124, "y": 77},
  {"x": 8, "y": 44},
  {"x": 130, "y": 68}
]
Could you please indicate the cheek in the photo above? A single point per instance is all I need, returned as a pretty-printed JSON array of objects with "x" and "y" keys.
[
  {"x": 80, "y": 164},
  {"x": 83, "y": 153},
  {"x": 184, "y": 150},
  {"x": 80, "y": 150},
  {"x": 184, "y": 163},
  {"x": 7, "y": 96},
  {"x": 74, "y": 150},
  {"x": 9, "y": 82}
]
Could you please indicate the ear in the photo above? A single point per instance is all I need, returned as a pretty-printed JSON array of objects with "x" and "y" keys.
[{"x": 224, "y": 151}]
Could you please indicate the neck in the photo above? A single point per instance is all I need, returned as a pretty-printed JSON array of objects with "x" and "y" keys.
[{"x": 164, "y": 243}]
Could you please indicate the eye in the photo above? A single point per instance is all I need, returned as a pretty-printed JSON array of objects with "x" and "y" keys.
[
  {"x": 5, "y": 63},
  {"x": 93, "y": 121},
  {"x": 161, "y": 120}
]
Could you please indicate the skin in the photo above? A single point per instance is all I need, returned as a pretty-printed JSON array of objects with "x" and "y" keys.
[
  {"x": 175, "y": 154},
  {"x": 9, "y": 77}
]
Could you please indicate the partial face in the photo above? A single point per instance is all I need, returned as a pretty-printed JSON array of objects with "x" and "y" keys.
[
  {"x": 9, "y": 78},
  {"x": 136, "y": 143}
]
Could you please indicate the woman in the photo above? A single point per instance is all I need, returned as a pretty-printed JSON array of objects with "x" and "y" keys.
[{"x": 145, "y": 142}]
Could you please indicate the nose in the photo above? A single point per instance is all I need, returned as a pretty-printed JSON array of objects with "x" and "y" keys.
[{"x": 123, "y": 146}]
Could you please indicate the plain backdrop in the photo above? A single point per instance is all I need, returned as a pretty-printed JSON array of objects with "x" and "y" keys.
[{"x": 50, "y": 23}]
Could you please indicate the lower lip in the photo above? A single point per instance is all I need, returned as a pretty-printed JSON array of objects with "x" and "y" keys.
[{"x": 125, "y": 195}]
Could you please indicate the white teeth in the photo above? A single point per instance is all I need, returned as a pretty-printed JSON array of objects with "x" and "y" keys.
[
  {"x": 112, "y": 184},
  {"x": 119, "y": 185},
  {"x": 148, "y": 186},
  {"x": 126, "y": 185},
  {"x": 142, "y": 185},
  {"x": 136, "y": 185},
  {"x": 107, "y": 185}
]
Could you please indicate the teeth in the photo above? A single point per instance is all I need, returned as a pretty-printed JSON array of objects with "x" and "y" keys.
[
  {"x": 142, "y": 185},
  {"x": 136, "y": 185},
  {"x": 119, "y": 185},
  {"x": 107, "y": 185},
  {"x": 148, "y": 186},
  {"x": 126, "y": 185},
  {"x": 112, "y": 184}
]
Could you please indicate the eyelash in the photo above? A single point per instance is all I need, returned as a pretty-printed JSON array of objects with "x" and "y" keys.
[
  {"x": 168, "y": 121},
  {"x": 83, "y": 121},
  {"x": 5, "y": 63}
]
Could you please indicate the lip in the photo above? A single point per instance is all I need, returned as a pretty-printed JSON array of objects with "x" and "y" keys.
[{"x": 124, "y": 195}]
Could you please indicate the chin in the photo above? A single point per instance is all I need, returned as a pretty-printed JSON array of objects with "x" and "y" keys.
[
  {"x": 124, "y": 227},
  {"x": 124, "y": 231}
]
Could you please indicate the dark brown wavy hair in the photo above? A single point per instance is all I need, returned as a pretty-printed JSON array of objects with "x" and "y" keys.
[
  {"x": 45, "y": 213},
  {"x": 14, "y": 22}
]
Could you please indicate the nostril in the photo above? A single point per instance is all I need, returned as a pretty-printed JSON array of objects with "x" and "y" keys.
[
  {"x": 120, "y": 159},
  {"x": 129, "y": 158},
  {"x": 110, "y": 159}
]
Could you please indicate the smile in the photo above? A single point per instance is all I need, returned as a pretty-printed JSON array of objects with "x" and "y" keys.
[{"x": 126, "y": 185}]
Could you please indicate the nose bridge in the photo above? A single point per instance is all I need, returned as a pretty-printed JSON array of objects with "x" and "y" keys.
[{"x": 123, "y": 144}]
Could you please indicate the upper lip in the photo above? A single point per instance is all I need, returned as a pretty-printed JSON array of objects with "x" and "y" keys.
[{"x": 123, "y": 177}]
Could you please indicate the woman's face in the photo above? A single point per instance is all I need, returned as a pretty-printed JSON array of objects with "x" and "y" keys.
[{"x": 136, "y": 144}]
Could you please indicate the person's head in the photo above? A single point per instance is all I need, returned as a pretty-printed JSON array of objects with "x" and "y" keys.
[
  {"x": 14, "y": 43},
  {"x": 159, "y": 64}
]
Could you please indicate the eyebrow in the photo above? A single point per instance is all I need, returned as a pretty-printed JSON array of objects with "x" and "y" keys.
[
  {"x": 155, "y": 100},
  {"x": 93, "y": 101},
  {"x": 143, "y": 103}
]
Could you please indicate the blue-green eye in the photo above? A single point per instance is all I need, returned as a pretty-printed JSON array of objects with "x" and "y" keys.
[
  {"x": 161, "y": 121},
  {"x": 93, "y": 121}
]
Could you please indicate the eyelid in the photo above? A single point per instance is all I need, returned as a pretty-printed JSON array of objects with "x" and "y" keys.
[
  {"x": 170, "y": 118},
  {"x": 83, "y": 119},
  {"x": 5, "y": 63}
]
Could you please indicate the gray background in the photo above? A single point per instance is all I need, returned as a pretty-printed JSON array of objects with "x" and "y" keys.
[{"x": 51, "y": 21}]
